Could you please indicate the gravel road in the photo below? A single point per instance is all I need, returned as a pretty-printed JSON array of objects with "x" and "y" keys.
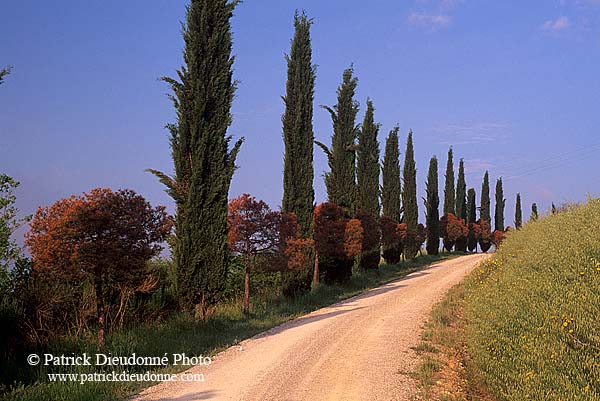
[{"x": 357, "y": 349}]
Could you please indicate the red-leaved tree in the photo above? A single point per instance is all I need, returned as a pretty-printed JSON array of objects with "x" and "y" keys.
[
  {"x": 474, "y": 233},
  {"x": 103, "y": 236},
  {"x": 485, "y": 235},
  {"x": 253, "y": 229},
  {"x": 390, "y": 240},
  {"x": 335, "y": 242},
  {"x": 369, "y": 255},
  {"x": 452, "y": 229}
]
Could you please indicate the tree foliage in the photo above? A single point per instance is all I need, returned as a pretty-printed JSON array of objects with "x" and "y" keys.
[
  {"x": 204, "y": 164},
  {"x": 484, "y": 209},
  {"x": 409, "y": 200},
  {"x": 461, "y": 204},
  {"x": 10, "y": 252},
  {"x": 485, "y": 234},
  {"x": 371, "y": 236},
  {"x": 4, "y": 72},
  {"x": 432, "y": 213},
  {"x": 103, "y": 236},
  {"x": 253, "y": 229},
  {"x": 449, "y": 194},
  {"x": 390, "y": 240},
  {"x": 390, "y": 172},
  {"x": 452, "y": 230},
  {"x": 474, "y": 228},
  {"x": 534, "y": 212},
  {"x": 335, "y": 243},
  {"x": 341, "y": 178},
  {"x": 518, "y": 213},
  {"x": 500, "y": 202},
  {"x": 367, "y": 166},
  {"x": 298, "y": 136}
]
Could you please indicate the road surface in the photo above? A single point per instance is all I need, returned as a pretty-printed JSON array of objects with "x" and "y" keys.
[{"x": 358, "y": 349}]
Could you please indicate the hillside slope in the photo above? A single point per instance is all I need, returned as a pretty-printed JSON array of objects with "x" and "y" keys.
[{"x": 534, "y": 310}]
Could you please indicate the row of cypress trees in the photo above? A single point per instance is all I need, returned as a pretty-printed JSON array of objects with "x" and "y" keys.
[{"x": 204, "y": 160}]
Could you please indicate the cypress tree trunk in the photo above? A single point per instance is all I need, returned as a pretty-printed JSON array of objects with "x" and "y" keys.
[
  {"x": 409, "y": 199},
  {"x": 518, "y": 213},
  {"x": 204, "y": 164},
  {"x": 298, "y": 137},
  {"x": 471, "y": 220},
  {"x": 432, "y": 203},
  {"x": 500, "y": 201},
  {"x": 341, "y": 179},
  {"x": 449, "y": 197},
  {"x": 390, "y": 171}
]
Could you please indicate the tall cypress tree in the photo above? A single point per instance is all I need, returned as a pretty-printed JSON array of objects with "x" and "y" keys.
[
  {"x": 484, "y": 210},
  {"x": 298, "y": 136},
  {"x": 204, "y": 164},
  {"x": 367, "y": 168},
  {"x": 471, "y": 219},
  {"x": 341, "y": 179},
  {"x": 471, "y": 206},
  {"x": 500, "y": 201},
  {"x": 518, "y": 213},
  {"x": 461, "y": 204},
  {"x": 534, "y": 212},
  {"x": 390, "y": 171},
  {"x": 432, "y": 204},
  {"x": 409, "y": 200},
  {"x": 461, "y": 192},
  {"x": 449, "y": 197}
]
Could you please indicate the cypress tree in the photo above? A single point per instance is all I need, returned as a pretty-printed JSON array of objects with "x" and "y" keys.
[
  {"x": 367, "y": 177},
  {"x": 471, "y": 219},
  {"x": 471, "y": 206},
  {"x": 484, "y": 210},
  {"x": 518, "y": 213},
  {"x": 341, "y": 179},
  {"x": 390, "y": 171},
  {"x": 409, "y": 200},
  {"x": 461, "y": 204},
  {"x": 432, "y": 204},
  {"x": 461, "y": 192},
  {"x": 204, "y": 164},
  {"x": 449, "y": 197},
  {"x": 485, "y": 224},
  {"x": 534, "y": 212},
  {"x": 553, "y": 208},
  {"x": 298, "y": 136},
  {"x": 500, "y": 201},
  {"x": 367, "y": 168}
]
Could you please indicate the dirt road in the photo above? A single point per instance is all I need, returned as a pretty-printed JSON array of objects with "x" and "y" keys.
[{"x": 357, "y": 349}]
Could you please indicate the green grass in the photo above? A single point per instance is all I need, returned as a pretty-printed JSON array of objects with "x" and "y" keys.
[
  {"x": 531, "y": 324},
  {"x": 183, "y": 334}
]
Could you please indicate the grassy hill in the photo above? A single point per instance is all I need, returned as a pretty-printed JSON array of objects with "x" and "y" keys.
[{"x": 533, "y": 310}]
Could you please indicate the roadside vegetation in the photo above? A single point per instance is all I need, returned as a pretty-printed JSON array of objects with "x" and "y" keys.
[
  {"x": 182, "y": 333},
  {"x": 531, "y": 314}
]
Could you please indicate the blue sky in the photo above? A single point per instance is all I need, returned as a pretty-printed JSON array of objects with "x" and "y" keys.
[{"x": 513, "y": 86}]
